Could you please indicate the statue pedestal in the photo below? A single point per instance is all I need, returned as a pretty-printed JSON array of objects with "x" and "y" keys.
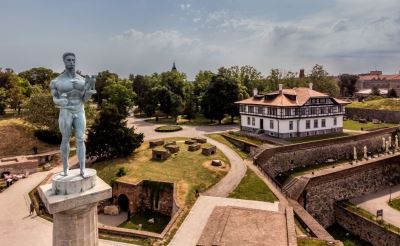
[{"x": 73, "y": 201}]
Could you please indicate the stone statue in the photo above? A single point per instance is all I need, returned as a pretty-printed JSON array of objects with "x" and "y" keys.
[
  {"x": 383, "y": 144},
  {"x": 387, "y": 147},
  {"x": 70, "y": 91},
  {"x": 365, "y": 152},
  {"x": 396, "y": 142},
  {"x": 355, "y": 153},
  {"x": 390, "y": 141}
]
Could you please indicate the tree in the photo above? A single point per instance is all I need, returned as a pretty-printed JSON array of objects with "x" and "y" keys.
[
  {"x": 375, "y": 91},
  {"x": 109, "y": 137},
  {"x": 118, "y": 93},
  {"x": 247, "y": 75},
  {"x": 17, "y": 94},
  {"x": 39, "y": 76},
  {"x": 6, "y": 78},
  {"x": 190, "y": 104},
  {"x": 200, "y": 85},
  {"x": 3, "y": 101},
  {"x": 392, "y": 93},
  {"x": 322, "y": 82},
  {"x": 144, "y": 86},
  {"x": 101, "y": 82},
  {"x": 347, "y": 84}
]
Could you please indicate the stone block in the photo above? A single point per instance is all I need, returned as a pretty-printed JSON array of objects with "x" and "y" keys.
[
  {"x": 172, "y": 148},
  {"x": 194, "y": 147},
  {"x": 155, "y": 143},
  {"x": 170, "y": 143},
  {"x": 160, "y": 154},
  {"x": 209, "y": 150},
  {"x": 111, "y": 210},
  {"x": 200, "y": 140},
  {"x": 190, "y": 141},
  {"x": 216, "y": 163}
]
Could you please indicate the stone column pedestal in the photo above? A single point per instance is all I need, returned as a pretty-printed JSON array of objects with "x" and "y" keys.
[{"x": 73, "y": 201}]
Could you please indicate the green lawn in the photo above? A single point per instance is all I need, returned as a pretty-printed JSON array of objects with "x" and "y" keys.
[
  {"x": 348, "y": 239},
  {"x": 395, "y": 203},
  {"x": 253, "y": 188},
  {"x": 160, "y": 222},
  {"x": 218, "y": 137},
  {"x": 382, "y": 104},
  {"x": 245, "y": 138},
  {"x": 355, "y": 125},
  {"x": 199, "y": 120},
  {"x": 311, "y": 242},
  {"x": 184, "y": 168},
  {"x": 318, "y": 137}
]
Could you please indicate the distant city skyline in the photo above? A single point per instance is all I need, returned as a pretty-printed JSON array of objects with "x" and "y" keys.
[{"x": 143, "y": 37}]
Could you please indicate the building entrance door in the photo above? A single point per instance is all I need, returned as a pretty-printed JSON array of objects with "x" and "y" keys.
[{"x": 261, "y": 123}]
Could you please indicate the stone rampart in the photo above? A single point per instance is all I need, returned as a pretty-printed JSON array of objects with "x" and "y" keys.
[
  {"x": 243, "y": 145},
  {"x": 369, "y": 114},
  {"x": 368, "y": 230},
  {"x": 321, "y": 192},
  {"x": 283, "y": 158}
]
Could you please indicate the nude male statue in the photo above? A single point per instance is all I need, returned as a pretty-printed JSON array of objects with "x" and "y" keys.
[{"x": 70, "y": 91}]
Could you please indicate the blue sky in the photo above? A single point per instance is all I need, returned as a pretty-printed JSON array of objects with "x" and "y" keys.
[{"x": 346, "y": 36}]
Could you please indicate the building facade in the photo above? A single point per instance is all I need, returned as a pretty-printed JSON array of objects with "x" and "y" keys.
[
  {"x": 378, "y": 80},
  {"x": 289, "y": 113}
]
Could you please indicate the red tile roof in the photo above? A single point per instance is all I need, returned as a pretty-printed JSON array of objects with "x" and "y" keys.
[{"x": 289, "y": 97}]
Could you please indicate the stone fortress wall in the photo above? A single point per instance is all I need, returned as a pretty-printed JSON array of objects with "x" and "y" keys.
[
  {"x": 321, "y": 192},
  {"x": 369, "y": 114},
  {"x": 365, "y": 229},
  {"x": 283, "y": 158}
]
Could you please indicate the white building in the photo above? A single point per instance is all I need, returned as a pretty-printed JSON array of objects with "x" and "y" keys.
[{"x": 290, "y": 113}]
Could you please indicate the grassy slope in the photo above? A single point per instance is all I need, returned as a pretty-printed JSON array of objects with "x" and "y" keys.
[
  {"x": 17, "y": 139},
  {"x": 317, "y": 137},
  {"x": 183, "y": 168},
  {"x": 383, "y": 104},
  {"x": 221, "y": 139},
  {"x": 395, "y": 203},
  {"x": 355, "y": 125},
  {"x": 253, "y": 188}
]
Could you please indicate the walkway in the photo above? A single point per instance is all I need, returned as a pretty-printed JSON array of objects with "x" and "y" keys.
[
  {"x": 238, "y": 168},
  {"x": 379, "y": 200}
]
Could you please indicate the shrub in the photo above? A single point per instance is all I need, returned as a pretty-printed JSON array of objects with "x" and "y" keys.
[
  {"x": 51, "y": 137},
  {"x": 121, "y": 172},
  {"x": 168, "y": 128}
]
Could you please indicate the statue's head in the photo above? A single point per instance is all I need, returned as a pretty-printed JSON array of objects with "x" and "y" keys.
[{"x": 69, "y": 60}]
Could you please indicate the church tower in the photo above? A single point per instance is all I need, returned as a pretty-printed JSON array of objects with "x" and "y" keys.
[{"x": 173, "y": 69}]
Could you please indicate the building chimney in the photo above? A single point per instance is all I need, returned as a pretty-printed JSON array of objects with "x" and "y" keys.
[
  {"x": 301, "y": 74},
  {"x": 255, "y": 91},
  {"x": 310, "y": 85},
  {"x": 280, "y": 88}
]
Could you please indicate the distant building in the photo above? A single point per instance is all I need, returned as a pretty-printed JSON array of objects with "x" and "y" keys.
[
  {"x": 378, "y": 80},
  {"x": 288, "y": 113},
  {"x": 366, "y": 92},
  {"x": 173, "y": 69}
]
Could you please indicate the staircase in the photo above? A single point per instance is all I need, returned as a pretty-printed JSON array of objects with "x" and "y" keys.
[{"x": 295, "y": 187}]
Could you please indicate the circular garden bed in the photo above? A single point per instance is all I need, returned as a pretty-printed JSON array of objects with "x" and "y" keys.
[{"x": 168, "y": 128}]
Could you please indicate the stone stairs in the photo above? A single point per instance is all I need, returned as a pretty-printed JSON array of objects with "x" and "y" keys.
[{"x": 295, "y": 187}]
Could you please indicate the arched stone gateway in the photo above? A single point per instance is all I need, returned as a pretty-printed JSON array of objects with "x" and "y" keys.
[{"x": 123, "y": 202}]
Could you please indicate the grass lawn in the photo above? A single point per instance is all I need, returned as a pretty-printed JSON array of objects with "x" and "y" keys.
[
  {"x": 318, "y": 137},
  {"x": 382, "y": 104},
  {"x": 160, "y": 222},
  {"x": 17, "y": 138},
  {"x": 200, "y": 120},
  {"x": 355, "y": 125},
  {"x": 218, "y": 137},
  {"x": 184, "y": 168},
  {"x": 310, "y": 242},
  {"x": 395, "y": 203},
  {"x": 253, "y": 188},
  {"x": 348, "y": 239},
  {"x": 245, "y": 138}
]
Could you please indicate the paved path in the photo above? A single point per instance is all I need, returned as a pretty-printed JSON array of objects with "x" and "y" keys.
[
  {"x": 379, "y": 200},
  {"x": 238, "y": 168}
]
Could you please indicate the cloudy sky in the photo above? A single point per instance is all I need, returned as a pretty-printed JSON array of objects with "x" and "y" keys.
[{"x": 145, "y": 36}]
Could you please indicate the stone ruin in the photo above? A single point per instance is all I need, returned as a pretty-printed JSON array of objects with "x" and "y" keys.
[
  {"x": 209, "y": 150},
  {"x": 200, "y": 140},
  {"x": 160, "y": 154},
  {"x": 155, "y": 143},
  {"x": 190, "y": 142},
  {"x": 216, "y": 163},
  {"x": 194, "y": 147},
  {"x": 170, "y": 143},
  {"x": 172, "y": 148}
]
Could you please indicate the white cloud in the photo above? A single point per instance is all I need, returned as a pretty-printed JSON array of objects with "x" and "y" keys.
[{"x": 185, "y": 6}]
